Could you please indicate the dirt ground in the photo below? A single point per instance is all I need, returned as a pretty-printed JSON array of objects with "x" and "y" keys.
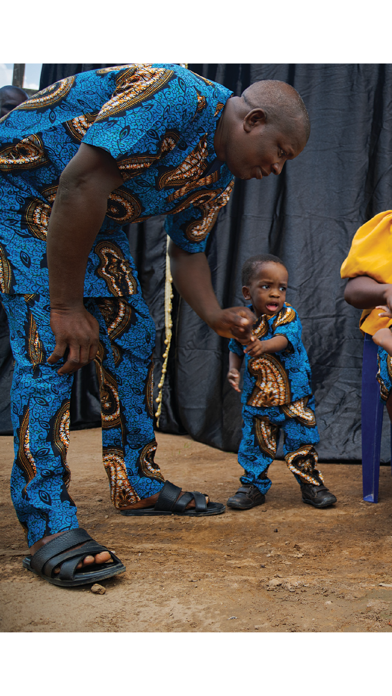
[{"x": 281, "y": 567}]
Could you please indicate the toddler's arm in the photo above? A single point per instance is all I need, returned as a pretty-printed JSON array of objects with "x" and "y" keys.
[
  {"x": 233, "y": 375},
  {"x": 272, "y": 345}
]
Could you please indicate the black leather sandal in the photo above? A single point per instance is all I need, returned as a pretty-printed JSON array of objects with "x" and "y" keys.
[
  {"x": 60, "y": 551},
  {"x": 169, "y": 503}
]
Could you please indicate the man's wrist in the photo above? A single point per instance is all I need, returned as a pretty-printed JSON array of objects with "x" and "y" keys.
[{"x": 213, "y": 317}]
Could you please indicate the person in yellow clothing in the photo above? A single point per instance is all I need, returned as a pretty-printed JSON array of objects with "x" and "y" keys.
[{"x": 368, "y": 267}]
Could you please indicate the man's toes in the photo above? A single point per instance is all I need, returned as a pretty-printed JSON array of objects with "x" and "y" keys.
[{"x": 102, "y": 557}]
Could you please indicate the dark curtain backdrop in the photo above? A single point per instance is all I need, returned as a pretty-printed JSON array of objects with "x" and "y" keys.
[{"x": 307, "y": 216}]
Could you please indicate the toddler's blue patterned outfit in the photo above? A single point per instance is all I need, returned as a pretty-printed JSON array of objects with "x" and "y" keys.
[{"x": 277, "y": 394}]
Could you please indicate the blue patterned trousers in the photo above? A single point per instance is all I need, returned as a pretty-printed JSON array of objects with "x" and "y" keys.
[
  {"x": 40, "y": 402},
  {"x": 260, "y": 437}
]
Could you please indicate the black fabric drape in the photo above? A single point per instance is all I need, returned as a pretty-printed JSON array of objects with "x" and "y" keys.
[{"x": 307, "y": 216}]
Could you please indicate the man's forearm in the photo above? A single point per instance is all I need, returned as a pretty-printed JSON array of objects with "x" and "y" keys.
[
  {"x": 192, "y": 278},
  {"x": 76, "y": 218}
]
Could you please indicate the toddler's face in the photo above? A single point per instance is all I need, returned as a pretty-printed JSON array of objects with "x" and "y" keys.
[{"x": 267, "y": 288}]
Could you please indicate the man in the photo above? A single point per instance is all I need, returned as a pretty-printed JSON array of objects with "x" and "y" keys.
[{"x": 96, "y": 151}]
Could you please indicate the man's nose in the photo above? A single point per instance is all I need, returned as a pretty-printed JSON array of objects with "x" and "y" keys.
[{"x": 277, "y": 167}]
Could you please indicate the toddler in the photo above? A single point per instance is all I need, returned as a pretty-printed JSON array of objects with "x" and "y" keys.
[{"x": 276, "y": 392}]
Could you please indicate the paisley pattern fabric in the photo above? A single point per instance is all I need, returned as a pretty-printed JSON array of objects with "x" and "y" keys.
[
  {"x": 276, "y": 395},
  {"x": 260, "y": 437},
  {"x": 278, "y": 378},
  {"x": 41, "y": 402},
  {"x": 157, "y": 121},
  {"x": 384, "y": 373}
]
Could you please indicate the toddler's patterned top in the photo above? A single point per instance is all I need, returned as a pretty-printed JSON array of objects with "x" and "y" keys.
[
  {"x": 278, "y": 378},
  {"x": 157, "y": 121}
]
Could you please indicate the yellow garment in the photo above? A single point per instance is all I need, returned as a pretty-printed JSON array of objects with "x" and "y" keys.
[{"x": 371, "y": 255}]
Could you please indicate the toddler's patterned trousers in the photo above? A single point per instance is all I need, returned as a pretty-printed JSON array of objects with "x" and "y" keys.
[
  {"x": 384, "y": 374},
  {"x": 40, "y": 410},
  {"x": 260, "y": 437}
]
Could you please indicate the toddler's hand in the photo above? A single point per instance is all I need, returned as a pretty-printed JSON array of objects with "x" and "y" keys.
[
  {"x": 383, "y": 338},
  {"x": 386, "y": 312},
  {"x": 255, "y": 349},
  {"x": 233, "y": 377}
]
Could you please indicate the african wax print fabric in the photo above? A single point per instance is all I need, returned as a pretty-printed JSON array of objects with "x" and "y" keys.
[
  {"x": 157, "y": 121},
  {"x": 277, "y": 378},
  {"x": 260, "y": 438},
  {"x": 41, "y": 409},
  {"x": 384, "y": 372}
]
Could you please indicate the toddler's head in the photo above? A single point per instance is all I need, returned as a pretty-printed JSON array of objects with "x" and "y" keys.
[{"x": 264, "y": 281}]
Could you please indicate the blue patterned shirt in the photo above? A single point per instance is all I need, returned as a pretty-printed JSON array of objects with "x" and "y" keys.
[
  {"x": 278, "y": 378},
  {"x": 157, "y": 121}
]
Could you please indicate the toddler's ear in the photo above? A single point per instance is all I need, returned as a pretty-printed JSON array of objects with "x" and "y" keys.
[{"x": 245, "y": 292}]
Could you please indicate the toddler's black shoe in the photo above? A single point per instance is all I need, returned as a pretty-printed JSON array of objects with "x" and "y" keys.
[
  {"x": 246, "y": 497},
  {"x": 318, "y": 496}
]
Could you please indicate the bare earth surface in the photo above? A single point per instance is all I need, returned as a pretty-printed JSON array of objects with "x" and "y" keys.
[{"x": 283, "y": 566}]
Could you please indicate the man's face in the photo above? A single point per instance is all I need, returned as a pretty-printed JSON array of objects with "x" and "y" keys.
[
  {"x": 262, "y": 150},
  {"x": 9, "y": 100}
]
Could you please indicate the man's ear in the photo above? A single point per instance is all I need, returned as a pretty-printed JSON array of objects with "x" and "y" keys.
[
  {"x": 254, "y": 118},
  {"x": 246, "y": 293}
]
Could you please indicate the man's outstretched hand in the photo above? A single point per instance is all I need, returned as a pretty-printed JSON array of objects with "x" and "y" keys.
[
  {"x": 76, "y": 332},
  {"x": 234, "y": 322}
]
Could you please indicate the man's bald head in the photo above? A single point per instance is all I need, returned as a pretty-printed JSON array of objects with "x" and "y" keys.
[
  {"x": 262, "y": 129},
  {"x": 10, "y": 98},
  {"x": 281, "y": 104}
]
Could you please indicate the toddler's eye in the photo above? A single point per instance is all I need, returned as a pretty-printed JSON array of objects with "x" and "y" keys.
[
  {"x": 264, "y": 287},
  {"x": 282, "y": 288}
]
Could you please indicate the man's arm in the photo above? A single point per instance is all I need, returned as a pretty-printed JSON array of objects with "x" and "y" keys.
[
  {"x": 364, "y": 292},
  {"x": 77, "y": 215},
  {"x": 192, "y": 278}
]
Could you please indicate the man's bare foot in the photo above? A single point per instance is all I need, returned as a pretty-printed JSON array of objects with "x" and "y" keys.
[
  {"x": 150, "y": 502},
  {"x": 88, "y": 560}
]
